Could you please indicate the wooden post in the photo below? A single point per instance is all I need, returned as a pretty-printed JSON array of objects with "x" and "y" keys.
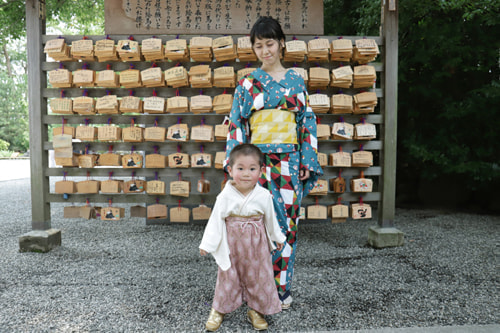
[
  {"x": 35, "y": 27},
  {"x": 389, "y": 128}
]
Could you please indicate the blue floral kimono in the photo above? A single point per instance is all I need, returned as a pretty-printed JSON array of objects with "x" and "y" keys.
[{"x": 283, "y": 161}]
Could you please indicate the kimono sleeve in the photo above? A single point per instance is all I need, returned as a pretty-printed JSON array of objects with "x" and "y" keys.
[
  {"x": 213, "y": 235},
  {"x": 271, "y": 222},
  {"x": 308, "y": 142},
  {"x": 237, "y": 132}
]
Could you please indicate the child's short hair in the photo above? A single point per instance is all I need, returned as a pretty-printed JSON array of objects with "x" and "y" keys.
[
  {"x": 266, "y": 27},
  {"x": 245, "y": 149}
]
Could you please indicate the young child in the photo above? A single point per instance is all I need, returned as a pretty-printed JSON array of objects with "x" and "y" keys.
[{"x": 240, "y": 235}]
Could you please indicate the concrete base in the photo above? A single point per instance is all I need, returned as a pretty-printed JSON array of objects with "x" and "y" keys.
[
  {"x": 385, "y": 237},
  {"x": 40, "y": 240}
]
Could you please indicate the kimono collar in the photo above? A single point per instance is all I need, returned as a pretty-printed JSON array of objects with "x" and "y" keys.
[{"x": 262, "y": 76}]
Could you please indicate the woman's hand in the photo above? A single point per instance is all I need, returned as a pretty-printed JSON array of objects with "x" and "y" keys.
[
  {"x": 304, "y": 174},
  {"x": 203, "y": 252},
  {"x": 279, "y": 246}
]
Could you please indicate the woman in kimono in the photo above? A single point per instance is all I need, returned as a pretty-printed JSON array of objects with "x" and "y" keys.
[{"x": 271, "y": 110}]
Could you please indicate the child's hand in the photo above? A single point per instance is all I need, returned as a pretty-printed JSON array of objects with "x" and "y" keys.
[
  {"x": 203, "y": 252},
  {"x": 279, "y": 246}
]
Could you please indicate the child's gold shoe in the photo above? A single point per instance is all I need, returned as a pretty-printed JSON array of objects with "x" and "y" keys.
[
  {"x": 257, "y": 320},
  {"x": 214, "y": 320}
]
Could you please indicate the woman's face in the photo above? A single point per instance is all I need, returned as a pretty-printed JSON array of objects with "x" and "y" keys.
[{"x": 267, "y": 50}]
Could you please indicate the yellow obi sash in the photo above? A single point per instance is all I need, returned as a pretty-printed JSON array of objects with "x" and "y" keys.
[{"x": 273, "y": 126}]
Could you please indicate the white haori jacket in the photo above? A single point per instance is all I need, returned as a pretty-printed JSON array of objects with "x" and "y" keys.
[{"x": 230, "y": 202}]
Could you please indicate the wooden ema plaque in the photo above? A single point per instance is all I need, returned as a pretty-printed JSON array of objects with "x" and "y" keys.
[
  {"x": 245, "y": 51},
  {"x": 84, "y": 105},
  {"x": 179, "y": 214},
  {"x": 178, "y": 160},
  {"x": 338, "y": 184},
  {"x": 178, "y": 132},
  {"x": 71, "y": 212},
  {"x": 131, "y": 104},
  {"x": 224, "y": 77},
  {"x": 202, "y": 133},
  {"x": 323, "y": 131},
  {"x": 362, "y": 185},
  {"x": 321, "y": 188},
  {"x": 200, "y": 76},
  {"x": 340, "y": 159},
  {"x": 180, "y": 188},
  {"x": 130, "y": 78},
  {"x": 111, "y": 186},
  {"x": 67, "y": 161},
  {"x": 177, "y": 50},
  {"x": 361, "y": 211},
  {"x": 67, "y": 130},
  {"x": 317, "y": 212},
  {"x": 224, "y": 48},
  {"x": 132, "y": 161},
  {"x": 201, "y": 160},
  {"x": 138, "y": 211},
  {"x": 109, "y": 133},
  {"x": 154, "y": 104},
  {"x": 220, "y": 157},
  {"x": 83, "y": 78},
  {"x": 210, "y": 17},
  {"x": 60, "y": 78},
  {"x": 339, "y": 213},
  {"x": 112, "y": 213},
  {"x": 133, "y": 134},
  {"x": 110, "y": 159},
  {"x": 342, "y": 131},
  {"x": 88, "y": 186},
  {"x": 87, "y": 160},
  {"x": 201, "y": 212},
  {"x": 134, "y": 186},
  {"x": 201, "y": 104},
  {"x": 153, "y": 77},
  {"x": 365, "y": 131},
  {"x": 61, "y": 105},
  {"x": 105, "y": 50},
  {"x": 155, "y": 187},
  {"x": 222, "y": 103},
  {"x": 65, "y": 186},
  {"x": 322, "y": 159},
  {"x": 157, "y": 211},
  {"x": 177, "y": 104},
  {"x": 83, "y": 49},
  {"x": 107, "y": 104},
  {"x": 362, "y": 158},
  {"x": 156, "y": 161},
  {"x": 108, "y": 79},
  {"x": 342, "y": 103},
  {"x": 203, "y": 186},
  {"x": 155, "y": 134},
  {"x": 86, "y": 133}
]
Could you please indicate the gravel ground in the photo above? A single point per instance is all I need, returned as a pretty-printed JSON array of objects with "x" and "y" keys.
[{"x": 126, "y": 276}]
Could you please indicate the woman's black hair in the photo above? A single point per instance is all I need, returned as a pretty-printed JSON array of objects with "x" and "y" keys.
[{"x": 266, "y": 27}]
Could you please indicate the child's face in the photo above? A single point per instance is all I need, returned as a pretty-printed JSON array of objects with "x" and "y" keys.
[{"x": 245, "y": 171}]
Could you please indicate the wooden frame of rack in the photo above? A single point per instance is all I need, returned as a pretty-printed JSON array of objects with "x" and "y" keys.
[{"x": 384, "y": 145}]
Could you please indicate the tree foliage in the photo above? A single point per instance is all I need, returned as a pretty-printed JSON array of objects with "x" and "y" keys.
[
  {"x": 448, "y": 89},
  {"x": 63, "y": 17}
]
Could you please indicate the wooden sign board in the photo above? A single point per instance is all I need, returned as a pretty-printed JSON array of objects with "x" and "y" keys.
[{"x": 303, "y": 17}]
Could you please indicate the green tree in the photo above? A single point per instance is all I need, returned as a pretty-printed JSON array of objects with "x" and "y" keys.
[
  {"x": 449, "y": 90},
  {"x": 79, "y": 17}
]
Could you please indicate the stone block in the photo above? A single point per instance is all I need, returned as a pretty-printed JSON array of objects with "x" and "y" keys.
[
  {"x": 379, "y": 237},
  {"x": 40, "y": 240}
]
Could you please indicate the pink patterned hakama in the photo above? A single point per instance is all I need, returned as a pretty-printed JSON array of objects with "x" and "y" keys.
[{"x": 250, "y": 278}]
